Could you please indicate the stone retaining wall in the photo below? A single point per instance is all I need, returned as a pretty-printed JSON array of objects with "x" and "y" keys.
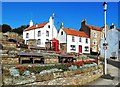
[
  {"x": 77, "y": 77},
  {"x": 70, "y": 79},
  {"x": 51, "y": 59}
]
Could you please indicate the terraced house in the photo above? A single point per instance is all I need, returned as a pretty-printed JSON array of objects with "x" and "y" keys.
[
  {"x": 95, "y": 33},
  {"x": 73, "y": 41},
  {"x": 40, "y": 33}
]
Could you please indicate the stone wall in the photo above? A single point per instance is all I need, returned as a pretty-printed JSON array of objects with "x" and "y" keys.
[
  {"x": 32, "y": 42},
  {"x": 9, "y": 59},
  {"x": 77, "y": 77},
  {"x": 48, "y": 45},
  {"x": 50, "y": 59},
  {"x": 63, "y": 47}
]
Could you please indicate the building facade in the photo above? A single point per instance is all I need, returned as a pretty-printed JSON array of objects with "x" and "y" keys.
[
  {"x": 113, "y": 41},
  {"x": 42, "y": 33},
  {"x": 73, "y": 41},
  {"x": 95, "y": 33}
]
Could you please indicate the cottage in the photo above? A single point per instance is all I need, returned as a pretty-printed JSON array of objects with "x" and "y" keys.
[
  {"x": 42, "y": 33},
  {"x": 73, "y": 41}
]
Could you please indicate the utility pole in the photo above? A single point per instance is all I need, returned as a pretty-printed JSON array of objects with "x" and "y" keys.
[{"x": 105, "y": 42}]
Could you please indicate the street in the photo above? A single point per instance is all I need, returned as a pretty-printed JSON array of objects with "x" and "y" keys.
[{"x": 113, "y": 76}]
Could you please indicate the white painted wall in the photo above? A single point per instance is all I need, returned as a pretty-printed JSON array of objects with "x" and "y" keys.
[
  {"x": 61, "y": 38},
  {"x": 33, "y": 34},
  {"x": 68, "y": 39},
  {"x": 113, "y": 43},
  {"x": 85, "y": 44}
]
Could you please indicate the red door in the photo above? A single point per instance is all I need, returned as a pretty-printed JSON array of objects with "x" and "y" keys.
[{"x": 80, "y": 49}]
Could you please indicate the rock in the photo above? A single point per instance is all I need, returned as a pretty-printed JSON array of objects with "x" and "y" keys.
[
  {"x": 26, "y": 73},
  {"x": 24, "y": 80},
  {"x": 14, "y": 72},
  {"x": 7, "y": 80},
  {"x": 73, "y": 67}
]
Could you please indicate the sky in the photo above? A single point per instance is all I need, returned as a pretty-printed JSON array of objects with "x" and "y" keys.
[{"x": 71, "y": 14}]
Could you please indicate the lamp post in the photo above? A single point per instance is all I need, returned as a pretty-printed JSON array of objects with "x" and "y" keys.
[{"x": 105, "y": 43}]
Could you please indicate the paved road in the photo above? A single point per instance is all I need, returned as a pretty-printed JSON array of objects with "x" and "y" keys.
[{"x": 113, "y": 77}]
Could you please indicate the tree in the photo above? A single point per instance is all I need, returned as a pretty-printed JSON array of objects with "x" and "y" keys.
[
  {"x": 6, "y": 28},
  {"x": 20, "y": 29}
]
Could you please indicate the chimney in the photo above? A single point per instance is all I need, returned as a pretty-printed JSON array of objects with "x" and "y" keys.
[
  {"x": 53, "y": 16},
  {"x": 112, "y": 26},
  {"x": 36, "y": 25},
  {"x": 83, "y": 22},
  {"x": 31, "y": 23},
  {"x": 62, "y": 25}
]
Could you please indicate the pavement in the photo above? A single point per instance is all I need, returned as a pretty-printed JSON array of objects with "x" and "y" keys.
[{"x": 112, "y": 79}]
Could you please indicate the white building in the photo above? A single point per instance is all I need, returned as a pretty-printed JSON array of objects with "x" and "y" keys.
[
  {"x": 41, "y": 32},
  {"x": 75, "y": 41},
  {"x": 113, "y": 42}
]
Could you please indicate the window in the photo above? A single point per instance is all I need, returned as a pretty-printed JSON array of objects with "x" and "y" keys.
[
  {"x": 61, "y": 32},
  {"x": 26, "y": 41},
  {"x": 86, "y": 48},
  {"x": 47, "y": 40},
  {"x": 39, "y": 33},
  {"x": 38, "y": 41},
  {"x": 47, "y": 33},
  {"x": 102, "y": 36},
  {"x": 80, "y": 39},
  {"x": 119, "y": 44},
  {"x": 94, "y": 42},
  {"x": 27, "y": 35},
  {"x": 73, "y": 39},
  {"x": 73, "y": 47},
  {"x": 94, "y": 34},
  {"x": 86, "y": 40},
  {"x": 94, "y": 48},
  {"x": 48, "y": 26}
]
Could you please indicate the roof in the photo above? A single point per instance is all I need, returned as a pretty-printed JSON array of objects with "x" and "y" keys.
[
  {"x": 34, "y": 26},
  {"x": 118, "y": 30},
  {"x": 73, "y": 32},
  {"x": 94, "y": 27}
]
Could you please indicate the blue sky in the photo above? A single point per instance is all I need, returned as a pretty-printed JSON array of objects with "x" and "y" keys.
[{"x": 16, "y": 14}]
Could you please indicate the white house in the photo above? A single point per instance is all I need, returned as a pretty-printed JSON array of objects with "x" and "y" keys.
[
  {"x": 41, "y": 32},
  {"x": 113, "y": 42},
  {"x": 75, "y": 41}
]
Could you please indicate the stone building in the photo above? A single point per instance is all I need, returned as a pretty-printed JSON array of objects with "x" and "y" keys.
[{"x": 95, "y": 33}]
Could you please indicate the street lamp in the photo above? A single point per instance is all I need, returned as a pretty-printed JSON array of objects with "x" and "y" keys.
[{"x": 105, "y": 42}]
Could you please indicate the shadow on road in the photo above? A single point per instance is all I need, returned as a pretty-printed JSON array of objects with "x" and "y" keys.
[
  {"x": 114, "y": 63},
  {"x": 109, "y": 61},
  {"x": 108, "y": 76}
]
